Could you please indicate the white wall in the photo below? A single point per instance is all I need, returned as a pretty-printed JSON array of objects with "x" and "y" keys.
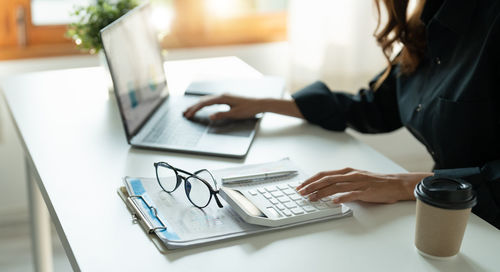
[{"x": 270, "y": 58}]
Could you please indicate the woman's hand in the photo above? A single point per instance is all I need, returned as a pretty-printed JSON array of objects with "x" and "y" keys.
[
  {"x": 361, "y": 185},
  {"x": 242, "y": 107}
]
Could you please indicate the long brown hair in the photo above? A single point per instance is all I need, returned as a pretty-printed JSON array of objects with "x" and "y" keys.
[{"x": 403, "y": 28}]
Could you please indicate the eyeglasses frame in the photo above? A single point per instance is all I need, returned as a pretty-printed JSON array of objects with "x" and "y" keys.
[{"x": 180, "y": 178}]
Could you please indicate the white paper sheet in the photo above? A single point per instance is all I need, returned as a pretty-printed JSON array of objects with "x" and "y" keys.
[{"x": 188, "y": 225}]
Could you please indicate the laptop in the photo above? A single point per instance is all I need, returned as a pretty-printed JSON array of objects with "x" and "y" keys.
[{"x": 151, "y": 117}]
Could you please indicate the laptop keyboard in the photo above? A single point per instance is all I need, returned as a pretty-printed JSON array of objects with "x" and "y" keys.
[{"x": 173, "y": 129}]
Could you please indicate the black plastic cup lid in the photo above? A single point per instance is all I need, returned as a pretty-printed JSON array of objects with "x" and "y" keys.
[{"x": 446, "y": 192}]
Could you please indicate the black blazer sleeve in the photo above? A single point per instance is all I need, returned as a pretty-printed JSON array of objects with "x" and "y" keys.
[
  {"x": 486, "y": 182},
  {"x": 368, "y": 111}
]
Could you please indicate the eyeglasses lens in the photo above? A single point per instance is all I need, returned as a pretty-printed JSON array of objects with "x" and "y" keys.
[
  {"x": 167, "y": 178},
  {"x": 197, "y": 191}
]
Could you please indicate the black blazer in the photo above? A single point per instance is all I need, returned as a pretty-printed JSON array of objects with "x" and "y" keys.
[{"x": 451, "y": 103}]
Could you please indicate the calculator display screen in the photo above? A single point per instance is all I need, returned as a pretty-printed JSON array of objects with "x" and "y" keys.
[{"x": 244, "y": 203}]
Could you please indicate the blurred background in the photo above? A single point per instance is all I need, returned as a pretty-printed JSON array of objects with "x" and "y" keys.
[{"x": 302, "y": 41}]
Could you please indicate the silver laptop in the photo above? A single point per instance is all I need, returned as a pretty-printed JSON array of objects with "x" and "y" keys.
[{"x": 151, "y": 117}]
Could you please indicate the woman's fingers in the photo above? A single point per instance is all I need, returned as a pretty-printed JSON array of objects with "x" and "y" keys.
[
  {"x": 191, "y": 111},
  {"x": 349, "y": 197},
  {"x": 361, "y": 185},
  {"x": 354, "y": 176},
  {"x": 360, "y": 182},
  {"x": 323, "y": 174},
  {"x": 222, "y": 115},
  {"x": 335, "y": 189},
  {"x": 240, "y": 107}
]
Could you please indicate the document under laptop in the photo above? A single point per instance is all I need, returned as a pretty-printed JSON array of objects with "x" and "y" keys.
[{"x": 151, "y": 117}]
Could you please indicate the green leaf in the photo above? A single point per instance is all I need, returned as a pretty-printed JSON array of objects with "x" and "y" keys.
[{"x": 91, "y": 19}]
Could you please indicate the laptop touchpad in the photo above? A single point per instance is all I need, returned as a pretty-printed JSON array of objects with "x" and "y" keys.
[{"x": 241, "y": 128}]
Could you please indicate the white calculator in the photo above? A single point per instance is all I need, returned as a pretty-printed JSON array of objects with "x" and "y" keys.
[{"x": 278, "y": 204}]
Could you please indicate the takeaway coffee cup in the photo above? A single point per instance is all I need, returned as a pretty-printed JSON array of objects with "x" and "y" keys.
[{"x": 443, "y": 208}]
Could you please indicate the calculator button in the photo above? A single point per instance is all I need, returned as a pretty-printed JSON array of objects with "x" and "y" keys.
[
  {"x": 303, "y": 203},
  {"x": 271, "y": 188},
  {"x": 261, "y": 190},
  {"x": 280, "y": 206},
  {"x": 283, "y": 199},
  {"x": 287, "y": 212},
  {"x": 273, "y": 201},
  {"x": 332, "y": 205},
  {"x": 289, "y": 191},
  {"x": 295, "y": 197},
  {"x": 252, "y": 192},
  {"x": 309, "y": 208},
  {"x": 297, "y": 210},
  {"x": 320, "y": 206},
  {"x": 277, "y": 194},
  {"x": 267, "y": 195},
  {"x": 273, "y": 212},
  {"x": 290, "y": 205},
  {"x": 282, "y": 186}
]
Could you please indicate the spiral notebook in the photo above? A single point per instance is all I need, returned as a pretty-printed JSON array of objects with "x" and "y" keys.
[{"x": 172, "y": 222}]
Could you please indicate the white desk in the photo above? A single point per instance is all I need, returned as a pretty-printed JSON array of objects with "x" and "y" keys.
[{"x": 74, "y": 140}]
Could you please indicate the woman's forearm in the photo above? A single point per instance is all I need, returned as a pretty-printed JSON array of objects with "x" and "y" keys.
[{"x": 280, "y": 106}]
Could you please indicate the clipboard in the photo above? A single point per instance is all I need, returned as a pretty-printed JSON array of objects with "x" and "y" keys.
[
  {"x": 187, "y": 226},
  {"x": 139, "y": 218}
]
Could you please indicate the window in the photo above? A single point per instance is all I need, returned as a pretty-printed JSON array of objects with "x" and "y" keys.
[
  {"x": 54, "y": 12},
  {"x": 35, "y": 28},
  {"x": 217, "y": 22},
  {"x": 25, "y": 33}
]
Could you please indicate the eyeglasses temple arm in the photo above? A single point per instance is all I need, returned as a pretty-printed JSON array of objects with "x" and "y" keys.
[{"x": 217, "y": 200}]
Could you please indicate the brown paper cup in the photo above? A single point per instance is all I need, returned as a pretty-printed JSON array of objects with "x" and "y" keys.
[{"x": 439, "y": 232}]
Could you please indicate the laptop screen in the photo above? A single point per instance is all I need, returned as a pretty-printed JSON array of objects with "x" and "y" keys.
[{"x": 133, "y": 55}]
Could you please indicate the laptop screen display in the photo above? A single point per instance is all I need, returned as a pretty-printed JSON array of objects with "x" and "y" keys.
[{"x": 133, "y": 55}]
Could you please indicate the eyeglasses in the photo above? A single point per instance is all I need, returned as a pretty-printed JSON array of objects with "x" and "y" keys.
[{"x": 199, "y": 186}]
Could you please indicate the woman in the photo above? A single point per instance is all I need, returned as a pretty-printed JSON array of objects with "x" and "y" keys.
[{"x": 442, "y": 86}]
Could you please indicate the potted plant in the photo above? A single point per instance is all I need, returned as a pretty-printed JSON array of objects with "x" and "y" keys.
[
  {"x": 91, "y": 19},
  {"x": 89, "y": 22}
]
